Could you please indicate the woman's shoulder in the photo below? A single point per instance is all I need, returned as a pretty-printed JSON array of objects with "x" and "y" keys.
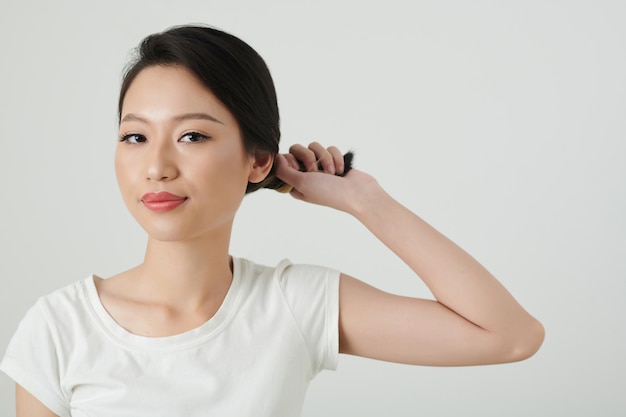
[
  {"x": 295, "y": 280},
  {"x": 283, "y": 270},
  {"x": 282, "y": 266},
  {"x": 70, "y": 294},
  {"x": 62, "y": 309},
  {"x": 54, "y": 315}
]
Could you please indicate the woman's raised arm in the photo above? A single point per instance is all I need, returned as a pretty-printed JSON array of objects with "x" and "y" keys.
[{"x": 473, "y": 320}]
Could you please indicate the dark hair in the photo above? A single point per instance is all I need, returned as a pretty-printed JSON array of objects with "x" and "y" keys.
[{"x": 233, "y": 71}]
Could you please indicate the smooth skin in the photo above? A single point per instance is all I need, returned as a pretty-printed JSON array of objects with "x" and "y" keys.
[
  {"x": 473, "y": 319},
  {"x": 176, "y": 136}
]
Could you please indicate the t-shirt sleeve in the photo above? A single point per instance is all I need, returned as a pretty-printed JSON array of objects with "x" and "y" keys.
[
  {"x": 31, "y": 360},
  {"x": 312, "y": 293}
]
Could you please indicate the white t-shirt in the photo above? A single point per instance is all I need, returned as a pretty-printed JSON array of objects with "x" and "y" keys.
[{"x": 276, "y": 329}]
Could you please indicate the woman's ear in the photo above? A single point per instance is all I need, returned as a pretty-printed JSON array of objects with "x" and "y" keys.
[{"x": 262, "y": 162}]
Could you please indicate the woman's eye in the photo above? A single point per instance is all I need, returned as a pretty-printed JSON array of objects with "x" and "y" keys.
[
  {"x": 193, "y": 137},
  {"x": 133, "y": 138}
]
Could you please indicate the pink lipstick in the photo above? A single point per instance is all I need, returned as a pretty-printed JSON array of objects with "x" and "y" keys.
[{"x": 162, "y": 201}]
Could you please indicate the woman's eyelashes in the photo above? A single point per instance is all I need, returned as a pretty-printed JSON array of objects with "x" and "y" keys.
[
  {"x": 193, "y": 137},
  {"x": 189, "y": 137},
  {"x": 133, "y": 138}
]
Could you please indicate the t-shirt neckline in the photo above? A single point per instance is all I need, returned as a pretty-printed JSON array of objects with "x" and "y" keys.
[{"x": 180, "y": 341}]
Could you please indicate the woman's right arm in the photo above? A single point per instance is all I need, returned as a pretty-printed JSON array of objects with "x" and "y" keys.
[{"x": 28, "y": 406}]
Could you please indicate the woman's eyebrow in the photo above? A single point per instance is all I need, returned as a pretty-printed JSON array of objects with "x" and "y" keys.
[
  {"x": 130, "y": 117},
  {"x": 186, "y": 116},
  {"x": 197, "y": 116}
]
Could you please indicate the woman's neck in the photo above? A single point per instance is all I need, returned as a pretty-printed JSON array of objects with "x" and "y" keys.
[{"x": 185, "y": 274}]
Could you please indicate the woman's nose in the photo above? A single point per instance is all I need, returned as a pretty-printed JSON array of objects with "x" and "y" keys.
[{"x": 161, "y": 162}]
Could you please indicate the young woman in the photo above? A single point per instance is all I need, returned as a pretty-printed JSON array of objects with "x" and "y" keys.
[{"x": 194, "y": 331}]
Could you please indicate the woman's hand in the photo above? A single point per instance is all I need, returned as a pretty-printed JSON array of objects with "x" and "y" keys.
[{"x": 307, "y": 169}]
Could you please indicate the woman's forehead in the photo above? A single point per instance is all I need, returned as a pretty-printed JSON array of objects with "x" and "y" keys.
[{"x": 171, "y": 92}]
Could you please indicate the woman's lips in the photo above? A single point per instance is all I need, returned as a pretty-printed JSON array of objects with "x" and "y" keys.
[{"x": 162, "y": 201}]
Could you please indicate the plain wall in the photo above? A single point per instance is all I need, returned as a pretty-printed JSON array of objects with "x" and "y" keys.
[{"x": 501, "y": 123}]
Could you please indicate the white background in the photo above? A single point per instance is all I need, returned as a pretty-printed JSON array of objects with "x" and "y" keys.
[{"x": 502, "y": 123}]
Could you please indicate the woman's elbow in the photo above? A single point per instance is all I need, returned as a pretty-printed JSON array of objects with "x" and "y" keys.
[{"x": 527, "y": 340}]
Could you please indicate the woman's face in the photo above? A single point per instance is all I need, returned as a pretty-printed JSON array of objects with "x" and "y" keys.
[{"x": 177, "y": 138}]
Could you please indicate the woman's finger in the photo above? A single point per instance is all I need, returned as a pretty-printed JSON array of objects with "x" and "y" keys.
[
  {"x": 337, "y": 159},
  {"x": 306, "y": 156},
  {"x": 323, "y": 157},
  {"x": 292, "y": 161}
]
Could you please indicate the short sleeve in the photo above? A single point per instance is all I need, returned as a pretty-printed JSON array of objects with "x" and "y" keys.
[
  {"x": 31, "y": 360},
  {"x": 312, "y": 293}
]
